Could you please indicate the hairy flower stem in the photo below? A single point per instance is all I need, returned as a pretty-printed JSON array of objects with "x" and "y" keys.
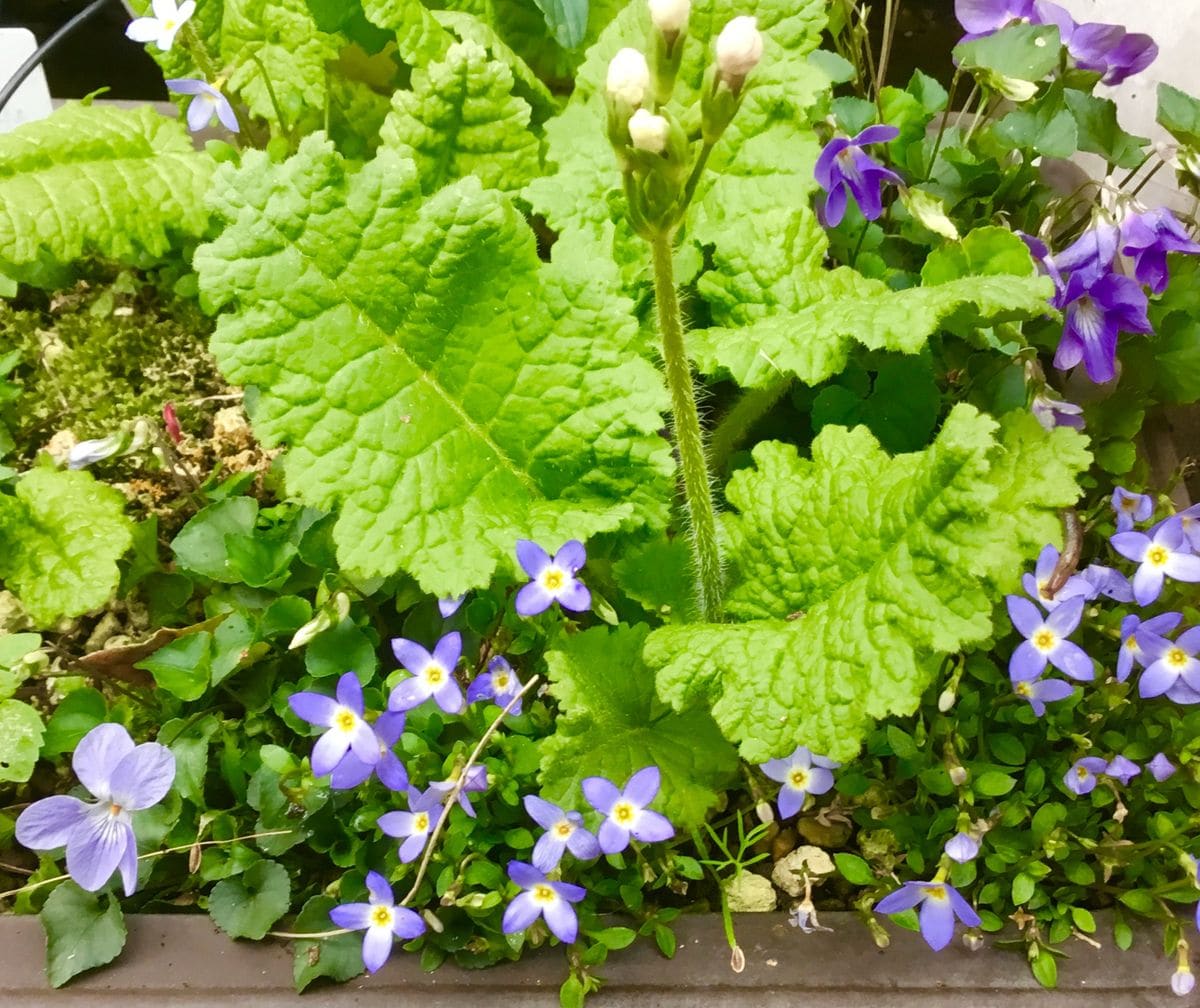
[{"x": 689, "y": 438}]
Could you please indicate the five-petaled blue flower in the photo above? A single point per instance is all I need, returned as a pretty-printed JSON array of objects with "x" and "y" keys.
[
  {"x": 1160, "y": 554},
  {"x": 564, "y": 831},
  {"x": 625, "y": 810},
  {"x": 1174, "y": 669},
  {"x": 206, "y": 102},
  {"x": 1040, "y": 692},
  {"x": 1131, "y": 507},
  {"x": 542, "y": 898},
  {"x": 1096, "y": 311},
  {"x": 476, "y": 782},
  {"x": 381, "y": 918},
  {"x": 552, "y": 579},
  {"x": 940, "y": 904},
  {"x": 498, "y": 684},
  {"x": 344, "y": 719},
  {"x": 432, "y": 674},
  {"x": 801, "y": 774},
  {"x": 1037, "y": 584},
  {"x": 123, "y": 778},
  {"x": 1046, "y": 640},
  {"x": 1138, "y": 634},
  {"x": 352, "y": 771},
  {"x": 413, "y": 825},
  {"x": 844, "y": 169},
  {"x": 1081, "y": 778}
]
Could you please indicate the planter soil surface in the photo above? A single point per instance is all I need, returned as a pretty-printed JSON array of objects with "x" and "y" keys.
[{"x": 184, "y": 960}]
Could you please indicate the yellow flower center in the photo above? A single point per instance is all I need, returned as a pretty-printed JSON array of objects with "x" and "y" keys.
[
  {"x": 1129, "y": 503},
  {"x": 345, "y": 720},
  {"x": 563, "y": 828},
  {"x": 552, "y": 580},
  {"x": 1157, "y": 556},
  {"x": 168, "y": 24},
  {"x": 544, "y": 894},
  {"x": 114, "y": 810},
  {"x": 381, "y": 916},
  {"x": 434, "y": 674},
  {"x": 937, "y": 892},
  {"x": 1081, "y": 773},
  {"x": 1022, "y": 689},
  {"x": 500, "y": 682},
  {"x": 421, "y": 822},
  {"x": 1044, "y": 639},
  {"x": 623, "y": 812},
  {"x": 1132, "y": 644},
  {"x": 1177, "y": 657},
  {"x": 798, "y": 779}
]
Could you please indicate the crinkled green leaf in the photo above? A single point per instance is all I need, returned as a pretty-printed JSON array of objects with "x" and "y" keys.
[
  {"x": 855, "y": 572},
  {"x": 846, "y": 310},
  {"x": 461, "y": 118},
  {"x": 83, "y": 930},
  {"x": 20, "y": 740},
  {"x": 122, "y": 184},
  {"x": 247, "y": 906},
  {"x": 611, "y": 724},
  {"x": 441, "y": 388},
  {"x": 60, "y": 538}
]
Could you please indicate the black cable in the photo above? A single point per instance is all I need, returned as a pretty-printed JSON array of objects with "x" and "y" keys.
[{"x": 26, "y": 68}]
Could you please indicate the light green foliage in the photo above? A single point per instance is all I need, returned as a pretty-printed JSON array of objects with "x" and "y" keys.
[
  {"x": 247, "y": 906},
  {"x": 18, "y": 657},
  {"x": 1022, "y": 52},
  {"x": 83, "y": 930},
  {"x": 459, "y": 119},
  {"x": 855, "y": 571},
  {"x": 440, "y": 387},
  {"x": 611, "y": 724},
  {"x": 61, "y": 535},
  {"x": 1179, "y": 115},
  {"x": 338, "y": 957},
  {"x": 117, "y": 183},
  {"x": 20, "y": 740}
]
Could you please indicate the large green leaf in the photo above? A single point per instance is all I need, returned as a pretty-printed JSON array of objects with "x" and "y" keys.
[
  {"x": 83, "y": 930},
  {"x": 118, "y": 183},
  {"x": 855, "y": 572},
  {"x": 247, "y": 906},
  {"x": 60, "y": 538},
  {"x": 461, "y": 118},
  {"x": 439, "y": 386},
  {"x": 611, "y": 724}
]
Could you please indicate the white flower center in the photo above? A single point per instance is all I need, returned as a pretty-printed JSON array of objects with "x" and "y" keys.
[
  {"x": 1087, "y": 317},
  {"x": 434, "y": 674},
  {"x": 345, "y": 720},
  {"x": 500, "y": 682},
  {"x": 798, "y": 779},
  {"x": 1177, "y": 658},
  {"x": 624, "y": 813},
  {"x": 1044, "y": 640},
  {"x": 544, "y": 894},
  {"x": 381, "y": 917},
  {"x": 1157, "y": 556},
  {"x": 420, "y": 823},
  {"x": 553, "y": 579},
  {"x": 563, "y": 828}
]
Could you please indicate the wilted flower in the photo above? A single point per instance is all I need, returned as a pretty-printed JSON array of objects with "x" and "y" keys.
[
  {"x": 1147, "y": 237},
  {"x": 498, "y": 684},
  {"x": 1174, "y": 670},
  {"x": 1107, "y": 582},
  {"x": 648, "y": 132},
  {"x": 1046, "y": 640},
  {"x": 1040, "y": 692},
  {"x": 206, "y": 103},
  {"x": 413, "y": 825},
  {"x": 625, "y": 810},
  {"x": 449, "y": 606},
  {"x": 86, "y": 453},
  {"x": 628, "y": 77},
  {"x": 739, "y": 48},
  {"x": 1122, "y": 769},
  {"x": 1051, "y": 413},
  {"x": 1183, "y": 981},
  {"x": 163, "y": 25},
  {"x": 344, "y": 719},
  {"x": 432, "y": 674},
  {"x": 553, "y": 580},
  {"x": 351, "y": 771},
  {"x": 564, "y": 831},
  {"x": 381, "y": 918},
  {"x": 542, "y": 898},
  {"x": 476, "y": 782},
  {"x": 1137, "y": 634},
  {"x": 1131, "y": 507},
  {"x": 171, "y": 423},
  {"x": 1081, "y": 778},
  {"x": 1160, "y": 555},
  {"x": 962, "y": 847},
  {"x": 940, "y": 904},
  {"x": 123, "y": 778},
  {"x": 1037, "y": 584},
  {"x": 1161, "y": 768},
  {"x": 801, "y": 774},
  {"x": 1096, "y": 312},
  {"x": 844, "y": 169}
]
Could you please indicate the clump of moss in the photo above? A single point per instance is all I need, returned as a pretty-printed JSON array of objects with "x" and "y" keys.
[{"x": 100, "y": 355}]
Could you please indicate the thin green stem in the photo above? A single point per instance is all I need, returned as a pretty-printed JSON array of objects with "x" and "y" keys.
[
  {"x": 1146, "y": 178},
  {"x": 890, "y": 9},
  {"x": 858, "y": 244},
  {"x": 751, "y": 407},
  {"x": 689, "y": 190},
  {"x": 271, "y": 94},
  {"x": 689, "y": 439},
  {"x": 199, "y": 51},
  {"x": 937, "y": 143}
]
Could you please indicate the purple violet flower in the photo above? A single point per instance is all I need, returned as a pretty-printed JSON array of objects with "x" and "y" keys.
[
  {"x": 564, "y": 831},
  {"x": 1147, "y": 238},
  {"x": 498, "y": 684},
  {"x": 1081, "y": 778},
  {"x": 552, "y": 580},
  {"x": 352, "y": 771},
  {"x": 344, "y": 719},
  {"x": 1174, "y": 669},
  {"x": 1046, "y": 640},
  {"x": 940, "y": 904},
  {"x": 207, "y": 102},
  {"x": 1037, "y": 584},
  {"x": 625, "y": 810},
  {"x": 432, "y": 674},
  {"x": 1161, "y": 768},
  {"x": 1138, "y": 634},
  {"x": 1122, "y": 769},
  {"x": 962, "y": 847},
  {"x": 123, "y": 778},
  {"x": 1106, "y": 49},
  {"x": 1160, "y": 555},
  {"x": 542, "y": 898},
  {"x": 801, "y": 774},
  {"x": 1040, "y": 692},
  {"x": 449, "y": 606},
  {"x": 845, "y": 169},
  {"x": 1096, "y": 312},
  {"x": 413, "y": 825},
  {"x": 476, "y": 783},
  {"x": 381, "y": 918},
  {"x": 1051, "y": 413},
  {"x": 1131, "y": 507},
  {"x": 1090, "y": 255},
  {"x": 982, "y": 17}
]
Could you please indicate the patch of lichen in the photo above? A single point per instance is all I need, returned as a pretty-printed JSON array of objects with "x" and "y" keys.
[{"x": 102, "y": 354}]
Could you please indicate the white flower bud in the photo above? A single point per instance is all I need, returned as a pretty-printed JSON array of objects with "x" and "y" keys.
[
  {"x": 946, "y": 700},
  {"x": 648, "y": 131},
  {"x": 958, "y": 776},
  {"x": 765, "y": 813},
  {"x": 318, "y": 624},
  {"x": 670, "y": 16},
  {"x": 86, "y": 453},
  {"x": 1183, "y": 982},
  {"x": 628, "y": 77},
  {"x": 739, "y": 48}
]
